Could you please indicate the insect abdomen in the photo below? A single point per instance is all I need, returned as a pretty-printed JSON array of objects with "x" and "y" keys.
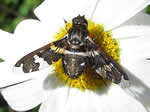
[{"x": 74, "y": 65}]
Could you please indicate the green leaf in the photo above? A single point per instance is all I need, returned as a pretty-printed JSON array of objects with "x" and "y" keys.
[
  {"x": 148, "y": 9},
  {"x": 12, "y": 12},
  {"x": 1, "y": 60},
  {"x": 2, "y": 110}
]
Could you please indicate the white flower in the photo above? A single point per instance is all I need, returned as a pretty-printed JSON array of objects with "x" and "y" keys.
[{"x": 46, "y": 89}]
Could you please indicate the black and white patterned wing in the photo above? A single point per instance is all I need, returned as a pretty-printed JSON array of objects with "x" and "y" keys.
[
  {"x": 41, "y": 58},
  {"x": 104, "y": 64},
  {"x": 109, "y": 68}
]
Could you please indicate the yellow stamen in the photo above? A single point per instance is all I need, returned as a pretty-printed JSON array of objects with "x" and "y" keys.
[{"x": 89, "y": 79}]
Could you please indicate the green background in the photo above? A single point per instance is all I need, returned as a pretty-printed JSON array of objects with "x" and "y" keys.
[{"x": 13, "y": 12}]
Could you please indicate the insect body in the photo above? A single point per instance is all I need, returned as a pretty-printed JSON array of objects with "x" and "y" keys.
[{"x": 78, "y": 52}]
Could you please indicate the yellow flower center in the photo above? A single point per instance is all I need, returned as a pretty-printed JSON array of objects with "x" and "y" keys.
[{"x": 89, "y": 79}]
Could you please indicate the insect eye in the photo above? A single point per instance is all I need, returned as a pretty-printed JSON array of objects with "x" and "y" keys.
[{"x": 82, "y": 64}]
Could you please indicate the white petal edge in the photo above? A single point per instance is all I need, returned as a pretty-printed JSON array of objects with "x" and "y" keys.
[
  {"x": 5, "y": 44},
  {"x": 29, "y": 35},
  {"x": 24, "y": 96},
  {"x": 114, "y": 13},
  {"x": 8, "y": 77},
  {"x": 135, "y": 51},
  {"x": 139, "y": 19},
  {"x": 131, "y": 31},
  {"x": 5, "y": 34}
]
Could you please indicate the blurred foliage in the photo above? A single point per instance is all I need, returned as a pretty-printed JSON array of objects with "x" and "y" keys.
[
  {"x": 1, "y": 60},
  {"x": 14, "y": 11},
  {"x": 148, "y": 10}
]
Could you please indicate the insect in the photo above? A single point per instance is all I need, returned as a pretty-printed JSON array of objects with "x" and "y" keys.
[{"x": 78, "y": 52}]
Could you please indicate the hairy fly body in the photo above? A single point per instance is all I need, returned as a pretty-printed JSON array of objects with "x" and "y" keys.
[{"x": 78, "y": 52}]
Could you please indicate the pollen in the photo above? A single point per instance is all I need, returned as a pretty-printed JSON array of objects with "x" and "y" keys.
[{"x": 89, "y": 79}]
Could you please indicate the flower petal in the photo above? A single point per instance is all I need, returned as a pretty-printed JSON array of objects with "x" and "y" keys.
[
  {"x": 78, "y": 101},
  {"x": 139, "y": 19},
  {"x": 114, "y": 12},
  {"x": 118, "y": 97},
  {"x": 131, "y": 31},
  {"x": 74, "y": 100},
  {"x": 134, "y": 57},
  {"x": 25, "y": 96},
  {"x": 53, "y": 13},
  {"x": 107, "y": 100},
  {"x": 138, "y": 90},
  {"x": 5, "y": 42},
  {"x": 56, "y": 101},
  {"x": 5, "y": 34},
  {"x": 134, "y": 54},
  {"x": 66, "y": 99},
  {"x": 8, "y": 77},
  {"x": 29, "y": 35}
]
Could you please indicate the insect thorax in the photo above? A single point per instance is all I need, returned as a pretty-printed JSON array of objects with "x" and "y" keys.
[{"x": 78, "y": 32}]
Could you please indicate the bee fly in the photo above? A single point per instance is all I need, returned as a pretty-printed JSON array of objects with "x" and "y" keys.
[{"x": 77, "y": 51}]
